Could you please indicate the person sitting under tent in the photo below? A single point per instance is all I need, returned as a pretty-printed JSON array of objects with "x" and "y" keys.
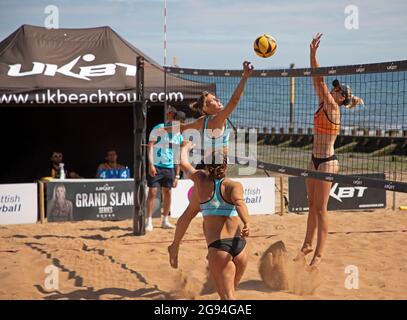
[
  {"x": 110, "y": 166},
  {"x": 57, "y": 158}
]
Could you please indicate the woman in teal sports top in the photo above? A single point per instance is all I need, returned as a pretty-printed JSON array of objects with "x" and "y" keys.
[
  {"x": 214, "y": 117},
  {"x": 222, "y": 204}
]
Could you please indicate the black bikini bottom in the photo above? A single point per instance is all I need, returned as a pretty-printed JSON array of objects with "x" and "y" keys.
[
  {"x": 318, "y": 161},
  {"x": 233, "y": 246}
]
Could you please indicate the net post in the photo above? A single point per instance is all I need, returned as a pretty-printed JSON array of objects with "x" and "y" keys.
[
  {"x": 42, "y": 207},
  {"x": 292, "y": 98},
  {"x": 394, "y": 192},
  {"x": 281, "y": 196},
  {"x": 139, "y": 151}
]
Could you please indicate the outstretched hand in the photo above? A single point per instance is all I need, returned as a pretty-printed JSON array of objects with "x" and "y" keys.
[
  {"x": 247, "y": 69},
  {"x": 315, "y": 42}
]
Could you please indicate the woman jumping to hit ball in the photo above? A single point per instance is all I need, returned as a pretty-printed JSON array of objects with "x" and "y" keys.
[
  {"x": 214, "y": 117},
  {"x": 222, "y": 204},
  {"x": 326, "y": 129}
]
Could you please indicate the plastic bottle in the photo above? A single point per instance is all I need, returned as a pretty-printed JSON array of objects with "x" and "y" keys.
[{"x": 61, "y": 171}]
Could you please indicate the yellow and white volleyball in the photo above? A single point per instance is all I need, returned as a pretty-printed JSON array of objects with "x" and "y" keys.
[{"x": 265, "y": 46}]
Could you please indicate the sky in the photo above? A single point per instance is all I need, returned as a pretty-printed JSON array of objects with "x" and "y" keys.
[{"x": 220, "y": 33}]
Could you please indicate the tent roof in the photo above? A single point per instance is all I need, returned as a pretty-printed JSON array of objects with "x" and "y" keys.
[{"x": 80, "y": 60}]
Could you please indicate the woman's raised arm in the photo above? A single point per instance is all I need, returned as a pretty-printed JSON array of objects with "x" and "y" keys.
[
  {"x": 237, "y": 94},
  {"x": 319, "y": 83}
]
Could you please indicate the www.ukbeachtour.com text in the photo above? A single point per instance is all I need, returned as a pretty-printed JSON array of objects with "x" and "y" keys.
[{"x": 99, "y": 96}]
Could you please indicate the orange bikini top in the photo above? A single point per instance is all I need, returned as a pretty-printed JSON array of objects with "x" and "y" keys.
[{"x": 322, "y": 123}]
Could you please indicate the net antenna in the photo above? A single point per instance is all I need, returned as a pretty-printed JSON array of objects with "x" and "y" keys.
[
  {"x": 165, "y": 61},
  {"x": 165, "y": 32}
]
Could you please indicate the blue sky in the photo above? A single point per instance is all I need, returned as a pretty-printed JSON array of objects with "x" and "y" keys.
[{"x": 220, "y": 33}]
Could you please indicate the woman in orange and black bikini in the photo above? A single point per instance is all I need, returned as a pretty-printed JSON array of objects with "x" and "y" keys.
[{"x": 326, "y": 129}]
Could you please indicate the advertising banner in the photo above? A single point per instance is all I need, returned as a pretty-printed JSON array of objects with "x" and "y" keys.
[
  {"x": 89, "y": 200},
  {"x": 18, "y": 203},
  {"x": 259, "y": 194},
  {"x": 342, "y": 197}
]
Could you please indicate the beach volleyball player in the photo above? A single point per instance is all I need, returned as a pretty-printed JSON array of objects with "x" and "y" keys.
[
  {"x": 221, "y": 202},
  {"x": 326, "y": 129},
  {"x": 214, "y": 117}
]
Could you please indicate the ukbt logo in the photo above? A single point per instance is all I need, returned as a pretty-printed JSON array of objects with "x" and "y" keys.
[
  {"x": 85, "y": 73},
  {"x": 346, "y": 192}
]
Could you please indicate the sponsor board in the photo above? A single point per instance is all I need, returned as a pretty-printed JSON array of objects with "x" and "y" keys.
[
  {"x": 342, "y": 196},
  {"x": 89, "y": 200},
  {"x": 259, "y": 195},
  {"x": 18, "y": 203}
]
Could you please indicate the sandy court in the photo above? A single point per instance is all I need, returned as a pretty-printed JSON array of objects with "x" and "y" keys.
[{"x": 103, "y": 260}]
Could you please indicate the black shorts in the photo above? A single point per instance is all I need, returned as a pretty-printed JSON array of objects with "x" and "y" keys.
[{"x": 164, "y": 178}]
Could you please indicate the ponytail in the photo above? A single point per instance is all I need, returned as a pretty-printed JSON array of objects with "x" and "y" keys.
[
  {"x": 215, "y": 170},
  {"x": 353, "y": 102}
]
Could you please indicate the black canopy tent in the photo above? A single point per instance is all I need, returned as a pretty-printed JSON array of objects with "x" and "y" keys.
[
  {"x": 34, "y": 60},
  {"x": 52, "y": 81},
  {"x": 80, "y": 91}
]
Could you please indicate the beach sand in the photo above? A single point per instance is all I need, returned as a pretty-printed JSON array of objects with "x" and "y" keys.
[{"x": 104, "y": 260}]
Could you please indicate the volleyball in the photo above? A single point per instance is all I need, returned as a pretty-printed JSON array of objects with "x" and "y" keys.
[{"x": 265, "y": 46}]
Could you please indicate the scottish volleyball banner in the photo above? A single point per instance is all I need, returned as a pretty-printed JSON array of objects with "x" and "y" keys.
[
  {"x": 18, "y": 203},
  {"x": 89, "y": 200},
  {"x": 259, "y": 195},
  {"x": 342, "y": 197}
]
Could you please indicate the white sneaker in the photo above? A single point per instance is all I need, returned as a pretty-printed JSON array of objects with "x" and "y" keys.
[
  {"x": 167, "y": 225},
  {"x": 149, "y": 227}
]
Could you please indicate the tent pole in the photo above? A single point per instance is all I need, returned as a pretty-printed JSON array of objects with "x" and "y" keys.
[
  {"x": 139, "y": 151},
  {"x": 42, "y": 201}
]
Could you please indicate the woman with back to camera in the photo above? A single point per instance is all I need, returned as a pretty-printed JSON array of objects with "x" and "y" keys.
[
  {"x": 326, "y": 129},
  {"x": 214, "y": 116},
  {"x": 222, "y": 203}
]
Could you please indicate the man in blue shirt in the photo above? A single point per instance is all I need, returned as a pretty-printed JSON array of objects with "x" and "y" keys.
[{"x": 162, "y": 171}]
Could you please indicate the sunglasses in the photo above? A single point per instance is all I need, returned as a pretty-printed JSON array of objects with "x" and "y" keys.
[{"x": 339, "y": 90}]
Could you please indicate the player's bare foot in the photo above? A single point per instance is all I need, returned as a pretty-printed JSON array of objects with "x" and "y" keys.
[
  {"x": 173, "y": 254},
  {"x": 306, "y": 249},
  {"x": 316, "y": 261}
]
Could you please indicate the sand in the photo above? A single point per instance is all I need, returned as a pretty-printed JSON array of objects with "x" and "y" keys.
[{"x": 103, "y": 260}]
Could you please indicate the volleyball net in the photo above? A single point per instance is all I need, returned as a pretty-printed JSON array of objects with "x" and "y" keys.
[{"x": 280, "y": 106}]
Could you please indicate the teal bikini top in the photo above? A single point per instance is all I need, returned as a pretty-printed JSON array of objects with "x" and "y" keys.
[
  {"x": 215, "y": 143},
  {"x": 217, "y": 205}
]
